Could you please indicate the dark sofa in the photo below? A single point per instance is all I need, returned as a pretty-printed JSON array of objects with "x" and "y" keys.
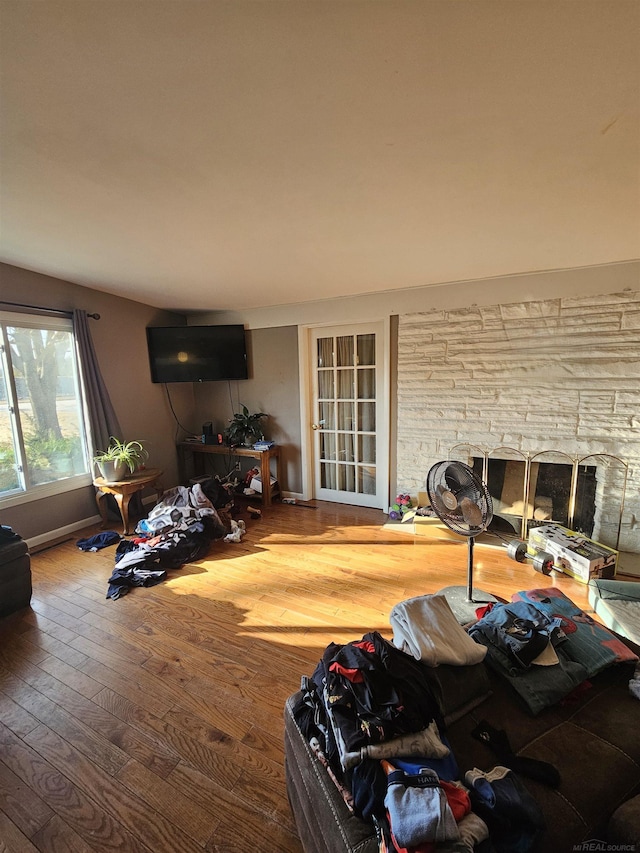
[
  {"x": 15, "y": 572},
  {"x": 593, "y": 740}
]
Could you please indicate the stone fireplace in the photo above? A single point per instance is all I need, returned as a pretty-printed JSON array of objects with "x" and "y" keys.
[
  {"x": 586, "y": 495},
  {"x": 549, "y": 386}
]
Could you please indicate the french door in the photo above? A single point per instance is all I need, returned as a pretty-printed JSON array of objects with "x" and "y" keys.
[{"x": 349, "y": 414}]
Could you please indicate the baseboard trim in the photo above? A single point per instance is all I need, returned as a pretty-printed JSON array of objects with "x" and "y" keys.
[{"x": 60, "y": 534}]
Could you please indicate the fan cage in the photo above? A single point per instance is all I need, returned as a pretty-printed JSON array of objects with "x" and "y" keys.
[{"x": 455, "y": 478}]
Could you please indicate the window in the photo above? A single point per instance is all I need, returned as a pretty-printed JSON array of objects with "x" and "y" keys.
[{"x": 43, "y": 447}]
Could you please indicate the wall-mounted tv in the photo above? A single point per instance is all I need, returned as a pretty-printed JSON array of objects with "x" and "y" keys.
[{"x": 197, "y": 353}]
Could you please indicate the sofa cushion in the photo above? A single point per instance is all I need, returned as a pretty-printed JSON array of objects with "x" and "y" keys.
[
  {"x": 617, "y": 603},
  {"x": 624, "y": 826}
]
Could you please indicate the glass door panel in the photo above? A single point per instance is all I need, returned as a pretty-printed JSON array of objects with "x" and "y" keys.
[
  {"x": 345, "y": 384},
  {"x": 346, "y": 478},
  {"x": 326, "y": 412},
  {"x": 366, "y": 349},
  {"x": 344, "y": 350},
  {"x": 325, "y": 384},
  {"x": 367, "y": 384},
  {"x": 345, "y": 408},
  {"x": 367, "y": 417},
  {"x": 328, "y": 478},
  {"x": 367, "y": 479}
]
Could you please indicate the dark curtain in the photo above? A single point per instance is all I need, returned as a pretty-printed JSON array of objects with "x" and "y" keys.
[{"x": 103, "y": 421}]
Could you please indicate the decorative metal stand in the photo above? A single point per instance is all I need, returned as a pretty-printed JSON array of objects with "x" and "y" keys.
[{"x": 471, "y": 451}]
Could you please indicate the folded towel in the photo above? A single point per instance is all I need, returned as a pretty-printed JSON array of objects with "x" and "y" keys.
[{"x": 426, "y": 628}]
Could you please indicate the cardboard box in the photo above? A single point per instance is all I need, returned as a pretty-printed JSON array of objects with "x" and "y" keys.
[
  {"x": 574, "y": 554},
  {"x": 256, "y": 483}
]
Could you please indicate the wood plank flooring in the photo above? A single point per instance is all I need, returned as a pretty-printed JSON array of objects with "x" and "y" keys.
[{"x": 153, "y": 724}]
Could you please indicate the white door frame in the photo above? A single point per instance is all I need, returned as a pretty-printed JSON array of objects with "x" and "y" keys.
[{"x": 383, "y": 424}]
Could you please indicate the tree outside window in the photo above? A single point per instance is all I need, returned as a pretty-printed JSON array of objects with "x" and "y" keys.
[{"x": 42, "y": 435}]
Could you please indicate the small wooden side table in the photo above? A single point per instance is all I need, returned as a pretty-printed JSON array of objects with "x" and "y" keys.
[{"x": 122, "y": 490}]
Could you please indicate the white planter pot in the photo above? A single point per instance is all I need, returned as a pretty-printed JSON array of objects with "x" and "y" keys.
[{"x": 112, "y": 470}]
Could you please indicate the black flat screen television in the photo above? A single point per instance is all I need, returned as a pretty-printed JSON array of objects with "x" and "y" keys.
[{"x": 197, "y": 353}]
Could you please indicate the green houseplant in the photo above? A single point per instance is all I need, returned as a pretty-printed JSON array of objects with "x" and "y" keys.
[
  {"x": 120, "y": 457},
  {"x": 244, "y": 427}
]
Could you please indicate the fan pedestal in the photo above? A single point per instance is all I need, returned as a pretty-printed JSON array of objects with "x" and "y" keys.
[{"x": 463, "y": 606}]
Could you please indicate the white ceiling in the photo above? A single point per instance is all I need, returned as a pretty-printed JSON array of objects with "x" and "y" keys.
[{"x": 203, "y": 155}]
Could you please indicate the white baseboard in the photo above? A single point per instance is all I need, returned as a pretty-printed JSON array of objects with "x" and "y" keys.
[{"x": 52, "y": 537}]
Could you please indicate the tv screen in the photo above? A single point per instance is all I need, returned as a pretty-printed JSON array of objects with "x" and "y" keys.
[{"x": 197, "y": 353}]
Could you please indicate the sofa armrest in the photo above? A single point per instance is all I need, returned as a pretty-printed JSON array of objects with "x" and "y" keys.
[{"x": 324, "y": 823}]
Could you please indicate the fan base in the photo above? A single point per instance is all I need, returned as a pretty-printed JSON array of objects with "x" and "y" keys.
[{"x": 463, "y": 609}]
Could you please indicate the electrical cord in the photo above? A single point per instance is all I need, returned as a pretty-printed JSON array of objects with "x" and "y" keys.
[
  {"x": 230, "y": 396},
  {"x": 173, "y": 412}
]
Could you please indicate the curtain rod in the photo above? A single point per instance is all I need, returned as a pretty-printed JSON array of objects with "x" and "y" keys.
[{"x": 47, "y": 310}]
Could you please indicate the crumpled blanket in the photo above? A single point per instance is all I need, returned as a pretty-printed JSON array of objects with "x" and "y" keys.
[
  {"x": 177, "y": 505},
  {"x": 181, "y": 528}
]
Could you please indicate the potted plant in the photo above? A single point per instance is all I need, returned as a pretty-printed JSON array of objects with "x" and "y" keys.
[
  {"x": 244, "y": 428},
  {"x": 120, "y": 457}
]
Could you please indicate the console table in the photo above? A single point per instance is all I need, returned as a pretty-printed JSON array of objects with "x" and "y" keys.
[
  {"x": 123, "y": 490},
  {"x": 191, "y": 456}
]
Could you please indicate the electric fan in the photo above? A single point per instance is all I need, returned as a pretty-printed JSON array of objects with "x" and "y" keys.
[{"x": 462, "y": 502}]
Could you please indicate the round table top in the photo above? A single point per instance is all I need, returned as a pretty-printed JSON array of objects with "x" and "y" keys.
[{"x": 138, "y": 478}]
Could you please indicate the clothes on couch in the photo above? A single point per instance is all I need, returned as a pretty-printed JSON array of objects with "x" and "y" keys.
[
  {"x": 514, "y": 818},
  {"x": 539, "y": 687},
  {"x": 446, "y": 768},
  {"x": 587, "y": 647},
  {"x": 520, "y": 629},
  {"x": 372, "y": 692},
  {"x": 498, "y": 742},
  {"x": 426, "y": 743},
  {"x": 370, "y": 706},
  {"x": 426, "y": 628},
  {"x": 418, "y": 808},
  {"x": 589, "y": 643}
]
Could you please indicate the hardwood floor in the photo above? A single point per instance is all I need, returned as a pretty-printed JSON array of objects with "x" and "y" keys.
[{"x": 154, "y": 723}]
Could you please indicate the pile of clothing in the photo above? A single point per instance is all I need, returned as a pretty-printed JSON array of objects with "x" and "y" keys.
[
  {"x": 545, "y": 646},
  {"x": 178, "y": 530},
  {"x": 372, "y": 719}
]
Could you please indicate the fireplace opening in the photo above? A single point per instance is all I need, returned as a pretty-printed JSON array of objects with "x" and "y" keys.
[{"x": 549, "y": 495}]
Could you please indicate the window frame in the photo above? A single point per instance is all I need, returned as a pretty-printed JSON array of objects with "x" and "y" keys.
[{"x": 30, "y": 492}]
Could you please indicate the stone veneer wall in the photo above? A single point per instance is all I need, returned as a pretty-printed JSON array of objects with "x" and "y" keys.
[{"x": 561, "y": 374}]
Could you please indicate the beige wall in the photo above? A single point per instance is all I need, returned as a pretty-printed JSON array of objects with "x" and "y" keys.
[
  {"x": 272, "y": 387},
  {"x": 119, "y": 338}
]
